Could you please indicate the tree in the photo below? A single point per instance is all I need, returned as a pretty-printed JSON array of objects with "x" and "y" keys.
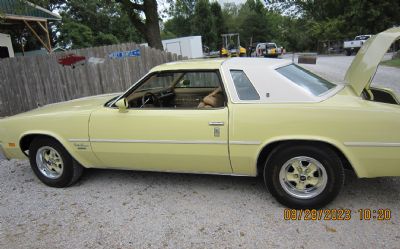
[
  {"x": 149, "y": 28},
  {"x": 339, "y": 19},
  {"x": 230, "y": 13},
  {"x": 218, "y": 27},
  {"x": 105, "y": 20},
  {"x": 203, "y": 22},
  {"x": 180, "y": 24},
  {"x": 254, "y": 22},
  {"x": 76, "y": 35},
  {"x": 105, "y": 39},
  {"x": 184, "y": 8}
]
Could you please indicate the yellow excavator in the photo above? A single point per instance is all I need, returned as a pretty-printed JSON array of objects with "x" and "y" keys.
[{"x": 231, "y": 46}]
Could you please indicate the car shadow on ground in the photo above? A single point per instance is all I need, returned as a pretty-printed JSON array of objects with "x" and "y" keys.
[
  {"x": 385, "y": 190},
  {"x": 356, "y": 193},
  {"x": 172, "y": 180}
]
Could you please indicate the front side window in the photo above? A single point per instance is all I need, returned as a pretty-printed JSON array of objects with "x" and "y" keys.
[
  {"x": 243, "y": 86},
  {"x": 159, "y": 81},
  {"x": 179, "y": 89},
  {"x": 199, "y": 80},
  {"x": 305, "y": 79}
]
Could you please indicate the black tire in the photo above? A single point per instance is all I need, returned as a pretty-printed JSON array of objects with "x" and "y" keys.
[
  {"x": 71, "y": 172},
  {"x": 324, "y": 155},
  {"x": 348, "y": 52}
]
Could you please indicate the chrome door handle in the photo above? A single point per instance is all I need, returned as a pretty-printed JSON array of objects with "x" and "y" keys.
[{"x": 216, "y": 123}]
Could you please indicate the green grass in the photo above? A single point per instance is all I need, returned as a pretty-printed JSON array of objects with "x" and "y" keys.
[{"x": 392, "y": 63}]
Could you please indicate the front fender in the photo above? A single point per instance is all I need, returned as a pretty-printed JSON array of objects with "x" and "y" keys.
[{"x": 80, "y": 150}]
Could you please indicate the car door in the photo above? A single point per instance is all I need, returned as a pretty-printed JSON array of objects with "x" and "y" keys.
[{"x": 162, "y": 139}]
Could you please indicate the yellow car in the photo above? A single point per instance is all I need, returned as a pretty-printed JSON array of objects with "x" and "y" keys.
[{"x": 231, "y": 116}]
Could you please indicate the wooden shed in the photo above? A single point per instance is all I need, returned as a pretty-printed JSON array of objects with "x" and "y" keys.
[{"x": 14, "y": 13}]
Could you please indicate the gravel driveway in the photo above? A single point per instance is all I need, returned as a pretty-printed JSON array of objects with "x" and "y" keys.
[{"x": 127, "y": 209}]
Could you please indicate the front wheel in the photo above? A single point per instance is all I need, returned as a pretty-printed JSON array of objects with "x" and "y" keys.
[
  {"x": 304, "y": 176},
  {"x": 52, "y": 164}
]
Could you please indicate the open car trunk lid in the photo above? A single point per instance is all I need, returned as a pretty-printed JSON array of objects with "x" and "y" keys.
[{"x": 366, "y": 62}]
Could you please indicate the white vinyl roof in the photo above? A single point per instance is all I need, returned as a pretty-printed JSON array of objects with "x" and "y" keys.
[{"x": 272, "y": 86}]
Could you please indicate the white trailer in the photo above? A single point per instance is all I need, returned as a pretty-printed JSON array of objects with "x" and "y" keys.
[
  {"x": 6, "y": 49},
  {"x": 190, "y": 46}
]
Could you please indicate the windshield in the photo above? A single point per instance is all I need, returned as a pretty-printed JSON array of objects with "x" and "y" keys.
[{"x": 305, "y": 79}]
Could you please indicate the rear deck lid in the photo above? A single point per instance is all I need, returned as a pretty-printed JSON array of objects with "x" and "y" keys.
[{"x": 366, "y": 62}]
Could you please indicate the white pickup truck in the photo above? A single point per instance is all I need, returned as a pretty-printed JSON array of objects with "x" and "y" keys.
[
  {"x": 267, "y": 49},
  {"x": 355, "y": 45}
]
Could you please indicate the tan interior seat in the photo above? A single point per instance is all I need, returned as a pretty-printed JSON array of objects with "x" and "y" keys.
[{"x": 213, "y": 100}]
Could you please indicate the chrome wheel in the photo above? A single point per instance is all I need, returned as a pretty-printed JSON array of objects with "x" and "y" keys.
[
  {"x": 303, "y": 177},
  {"x": 49, "y": 162}
]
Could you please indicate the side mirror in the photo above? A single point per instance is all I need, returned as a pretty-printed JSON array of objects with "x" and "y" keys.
[
  {"x": 122, "y": 105},
  {"x": 185, "y": 83}
]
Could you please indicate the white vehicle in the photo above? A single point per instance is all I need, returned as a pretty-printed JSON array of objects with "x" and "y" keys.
[
  {"x": 267, "y": 49},
  {"x": 355, "y": 45}
]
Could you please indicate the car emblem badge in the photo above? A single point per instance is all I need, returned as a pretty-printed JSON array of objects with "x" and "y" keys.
[{"x": 217, "y": 132}]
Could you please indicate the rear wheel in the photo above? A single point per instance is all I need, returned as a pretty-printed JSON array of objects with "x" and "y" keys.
[
  {"x": 52, "y": 164},
  {"x": 304, "y": 176},
  {"x": 348, "y": 52}
]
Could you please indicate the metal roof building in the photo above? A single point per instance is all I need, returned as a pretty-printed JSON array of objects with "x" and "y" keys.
[{"x": 20, "y": 12}]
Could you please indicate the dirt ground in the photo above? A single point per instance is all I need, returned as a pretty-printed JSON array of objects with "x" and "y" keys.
[{"x": 128, "y": 209}]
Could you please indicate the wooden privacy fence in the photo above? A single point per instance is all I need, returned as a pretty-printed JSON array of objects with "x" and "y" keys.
[{"x": 29, "y": 82}]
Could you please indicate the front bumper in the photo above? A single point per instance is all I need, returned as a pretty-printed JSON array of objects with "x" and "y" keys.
[{"x": 3, "y": 154}]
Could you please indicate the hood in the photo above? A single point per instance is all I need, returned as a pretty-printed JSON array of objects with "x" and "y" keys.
[
  {"x": 75, "y": 105},
  {"x": 366, "y": 62}
]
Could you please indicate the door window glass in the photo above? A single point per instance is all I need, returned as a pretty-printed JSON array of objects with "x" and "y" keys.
[{"x": 199, "y": 80}]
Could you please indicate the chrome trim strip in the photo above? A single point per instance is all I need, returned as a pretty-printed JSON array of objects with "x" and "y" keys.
[
  {"x": 157, "y": 141},
  {"x": 245, "y": 142},
  {"x": 94, "y": 140},
  {"x": 371, "y": 144},
  {"x": 78, "y": 140}
]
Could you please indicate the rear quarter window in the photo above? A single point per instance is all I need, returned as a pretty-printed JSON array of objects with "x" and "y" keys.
[
  {"x": 308, "y": 81},
  {"x": 243, "y": 86}
]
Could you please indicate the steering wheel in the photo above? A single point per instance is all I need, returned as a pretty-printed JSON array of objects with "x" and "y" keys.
[{"x": 151, "y": 98}]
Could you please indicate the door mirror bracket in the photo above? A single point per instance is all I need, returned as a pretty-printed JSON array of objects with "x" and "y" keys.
[{"x": 122, "y": 105}]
